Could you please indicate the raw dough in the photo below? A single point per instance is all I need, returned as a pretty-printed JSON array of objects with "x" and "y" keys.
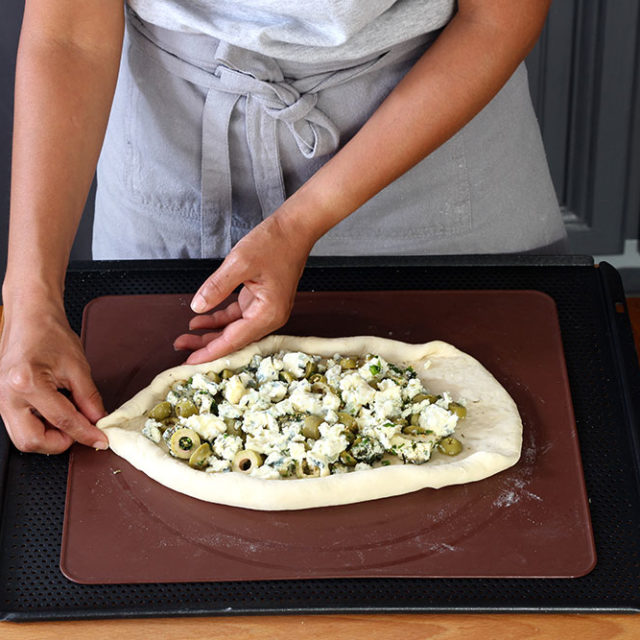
[{"x": 491, "y": 433}]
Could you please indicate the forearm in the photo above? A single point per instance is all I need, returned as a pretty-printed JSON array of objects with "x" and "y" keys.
[
  {"x": 63, "y": 94},
  {"x": 462, "y": 71}
]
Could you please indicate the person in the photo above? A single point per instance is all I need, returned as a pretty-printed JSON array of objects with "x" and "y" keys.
[{"x": 259, "y": 130}]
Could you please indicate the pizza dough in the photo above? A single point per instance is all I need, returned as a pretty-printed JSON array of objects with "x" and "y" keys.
[{"x": 491, "y": 432}]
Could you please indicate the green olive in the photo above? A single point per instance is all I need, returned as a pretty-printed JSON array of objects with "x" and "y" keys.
[
  {"x": 178, "y": 385},
  {"x": 348, "y": 363},
  {"x": 347, "y": 420},
  {"x": 233, "y": 427},
  {"x": 184, "y": 442},
  {"x": 316, "y": 378},
  {"x": 212, "y": 375},
  {"x": 348, "y": 459},
  {"x": 304, "y": 471},
  {"x": 161, "y": 411},
  {"x": 415, "y": 430},
  {"x": 450, "y": 446},
  {"x": 200, "y": 456},
  {"x": 246, "y": 460},
  {"x": 310, "y": 368},
  {"x": 458, "y": 409},
  {"x": 414, "y": 419},
  {"x": 310, "y": 428},
  {"x": 185, "y": 408},
  {"x": 227, "y": 373},
  {"x": 286, "y": 376}
]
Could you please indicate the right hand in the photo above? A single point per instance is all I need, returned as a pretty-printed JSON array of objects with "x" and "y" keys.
[{"x": 40, "y": 356}]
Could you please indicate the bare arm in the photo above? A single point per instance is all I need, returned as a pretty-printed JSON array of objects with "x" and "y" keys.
[
  {"x": 463, "y": 70},
  {"x": 65, "y": 78},
  {"x": 458, "y": 75}
]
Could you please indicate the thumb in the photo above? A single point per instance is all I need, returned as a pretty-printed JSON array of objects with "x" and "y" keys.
[{"x": 219, "y": 285}]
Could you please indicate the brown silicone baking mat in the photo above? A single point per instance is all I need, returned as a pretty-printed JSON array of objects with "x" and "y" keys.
[{"x": 529, "y": 521}]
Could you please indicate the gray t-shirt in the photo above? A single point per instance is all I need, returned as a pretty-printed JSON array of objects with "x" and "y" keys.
[{"x": 313, "y": 31}]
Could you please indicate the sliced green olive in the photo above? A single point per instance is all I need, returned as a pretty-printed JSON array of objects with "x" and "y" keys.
[
  {"x": 450, "y": 446},
  {"x": 458, "y": 409},
  {"x": 348, "y": 363},
  {"x": 246, "y": 460},
  {"x": 286, "y": 376},
  {"x": 304, "y": 471},
  {"x": 414, "y": 420},
  {"x": 178, "y": 384},
  {"x": 347, "y": 420},
  {"x": 227, "y": 373},
  {"x": 233, "y": 427},
  {"x": 310, "y": 428},
  {"x": 184, "y": 442},
  {"x": 185, "y": 408},
  {"x": 213, "y": 376},
  {"x": 348, "y": 459},
  {"x": 161, "y": 411},
  {"x": 199, "y": 457},
  {"x": 317, "y": 378},
  {"x": 415, "y": 430},
  {"x": 310, "y": 368}
]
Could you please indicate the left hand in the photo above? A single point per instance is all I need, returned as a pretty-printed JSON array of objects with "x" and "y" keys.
[{"x": 268, "y": 262}]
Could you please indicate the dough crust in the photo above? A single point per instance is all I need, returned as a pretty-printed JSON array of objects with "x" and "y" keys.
[{"x": 491, "y": 433}]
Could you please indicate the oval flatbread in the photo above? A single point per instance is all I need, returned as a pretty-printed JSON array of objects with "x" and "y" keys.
[{"x": 491, "y": 433}]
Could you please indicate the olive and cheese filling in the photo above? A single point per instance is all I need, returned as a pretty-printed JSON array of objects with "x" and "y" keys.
[{"x": 295, "y": 415}]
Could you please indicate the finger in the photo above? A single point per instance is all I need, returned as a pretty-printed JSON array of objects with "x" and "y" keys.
[
  {"x": 219, "y": 285},
  {"x": 30, "y": 434},
  {"x": 87, "y": 397},
  {"x": 62, "y": 415},
  {"x": 191, "y": 341},
  {"x": 234, "y": 337},
  {"x": 217, "y": 318}
]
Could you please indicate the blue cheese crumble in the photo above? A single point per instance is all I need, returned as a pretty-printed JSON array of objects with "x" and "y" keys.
[{"x": 296, "y": 415}]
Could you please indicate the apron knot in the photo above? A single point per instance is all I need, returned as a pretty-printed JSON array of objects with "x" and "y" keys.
[{"x": 314, "y": 133}]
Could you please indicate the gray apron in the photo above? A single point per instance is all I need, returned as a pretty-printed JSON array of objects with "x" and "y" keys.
[{"x": 206, "y": 139}]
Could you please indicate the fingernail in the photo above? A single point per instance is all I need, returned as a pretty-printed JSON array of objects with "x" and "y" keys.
[
  {"x": 198, "y": 304},
  {"x": 101, "y": 444}
]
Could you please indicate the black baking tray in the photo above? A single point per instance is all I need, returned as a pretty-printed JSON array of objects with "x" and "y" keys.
[{"x": 605, "y": 383}]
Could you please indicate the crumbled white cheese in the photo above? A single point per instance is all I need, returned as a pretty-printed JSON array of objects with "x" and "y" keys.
[
  {"x": 440, "y": 421},
  {"x": 274, "y": 390},
  {"x": 200, "y": 381},
  {"x": 295, "y": 363},
  {"x": 215, "y": 465},
  {"x": 226, "y": 446},
  {"x": 356, "y": 392},
  {"x": 268, "y": 369},
  {"x": 206, "y": 425},
  {"x": 331, "y": 444},
  {"x": 152, "y": 431},
  {"x": 413, "y": 388},
  {"x": 413, "y": 450},
  {"x": 233, "y": 389}
]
